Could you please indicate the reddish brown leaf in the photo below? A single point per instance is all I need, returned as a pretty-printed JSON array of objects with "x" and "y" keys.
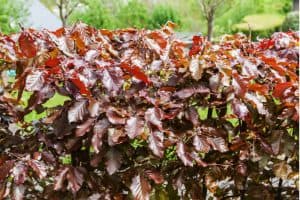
[
  {"x": 218, "y": 144},
  {"x": 280, "y": 88},
  {"x": 77, "y": 111},
  {"x": 60, "y": 178},
  {"x": 201, "y": 144},
  {"x": 113, "y": 161},
  {"x": 83, "y": 128},
  {"x": 136, "y": 72},
  {"x": 38, "y": 167},
  {"x": 156, "y": 176},
  {"x": 75, "y": 179},
  {"x": 153, "y": 116},
  {"x": 114, "y": 116},
  {"x": 99, "y": 130},
  {"x": 134, "y": 127},
  {"x": 183, "y": 154},
  {"x": 140, "y": 188},
  {"x": 27, "y": 44},
  {"x": 80, "y": 85},
  {"x": 156, "y": 139}
]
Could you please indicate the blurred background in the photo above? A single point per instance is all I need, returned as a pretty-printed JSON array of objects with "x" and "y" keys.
[{"x": 209, "y": 17}]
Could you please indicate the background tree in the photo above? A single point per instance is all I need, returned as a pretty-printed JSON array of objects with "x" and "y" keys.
[
  {"x": 163, "y": 13},
  {"x": 96, "y": 13},
  {"x": 12, "y": 13},
  {"x": 65, "y": 9},
  {"x": 209, "y": 9},
  {"x": 133, "y": 14},
  {"x": 295, "y": 5}
]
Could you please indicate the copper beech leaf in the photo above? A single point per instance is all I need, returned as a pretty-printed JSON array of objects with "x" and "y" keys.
[
  {"x": 114, "y": 116},
  {"x": 113, "y": 161},
  {"x": 134, "y": 127},
  {"x": 77, "y": 111},
  {"x": 35, "y": 81},
  {"x": 156, "y": 176},
  {"x": 183, "y": 154},
  {"x": 38, "y": 167},
  {"x": 282, "y": 170},
  {"x": 27, "y": 44},
  {"x": 156, "y": 139},
  {"x": 140, "y": 188},
  {"x": 195, "y": 68},
  {"x": 99, "y": 129},
  {"x": 200, "y": 143},
  {"x": 83, "y": 128},
  {"x": 153, "y": 117}
]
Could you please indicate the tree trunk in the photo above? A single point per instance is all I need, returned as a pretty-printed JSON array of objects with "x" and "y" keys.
[
  {"x": 295, "y": 5},
  {"x": 61, "y": 14},
  {"x": 210, "y": 25}
]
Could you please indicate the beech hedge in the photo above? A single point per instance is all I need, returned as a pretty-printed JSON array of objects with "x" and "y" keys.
[{"x": 149, "y": 116}]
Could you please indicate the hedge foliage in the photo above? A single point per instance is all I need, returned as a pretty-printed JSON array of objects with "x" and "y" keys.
[{"x": 149, "y": 116}]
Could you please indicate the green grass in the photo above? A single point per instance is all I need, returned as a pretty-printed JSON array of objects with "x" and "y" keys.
[
  {"x": 260, "y": 22},
  {"x": 56, "y": 100}
]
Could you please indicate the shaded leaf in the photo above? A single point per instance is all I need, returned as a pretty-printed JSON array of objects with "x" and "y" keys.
[
  {"x": 153, "y": 116},
  {"x": 201, "y": 144},
  {"x": 38, "y": 167},
  {"x": 282, "y": 170},
  {"x": 140, "y": 188},
  {"x": 156, "y": 139},
  {"x": 35, "y": 81},
  {"x": 134, "y": 127},
  {"x": 218, "y": 144},
  {"x": 85, "y": 127},
  {"x": 156, "y": 176},
  {"x": 195, "y": 68},
  {"x": 183, "y": 154},
  {"x": 113, "y": 161},
  {"x": 114, "y": 116},
  {"x": 99, "y": 130},
  {"x": 77, "y": 111},
  {"x": 27, "y": 44}
]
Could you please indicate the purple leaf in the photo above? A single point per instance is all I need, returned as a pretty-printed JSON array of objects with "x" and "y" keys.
[
  {"x": 77, "y": 111},
  {"x": 18, "y": 192},
  {"x": 190, "y": 91},
  {"x": 193, "y": 116},
  {"x": 85, "y": 127},
  {"x": 153, "y": 116},
  {"x": 115, "y": 136},
  {"x": 156, "y": 139},
  {"x": 134, "y": 127},
  {"x": 99, "y": 130},
  {"x": 240, "y": 109},
  {"x": 35, "y": 81},
  {"x": 114, "y": 116},
  {"x": 201, "y": 144},
  {"x": 20, "y": 173},
  {"x": 218, "y": 144},
  {"x": 140, "y": 188},
  {"x": 183, "y": 154},
  {"x": 75, "y": 179},
  {"x": 113, "y": 161},
  {"x": 59, "y": 180},
  {"x": 112, "y": 81},
  {"x": 38, "y": 167}
]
